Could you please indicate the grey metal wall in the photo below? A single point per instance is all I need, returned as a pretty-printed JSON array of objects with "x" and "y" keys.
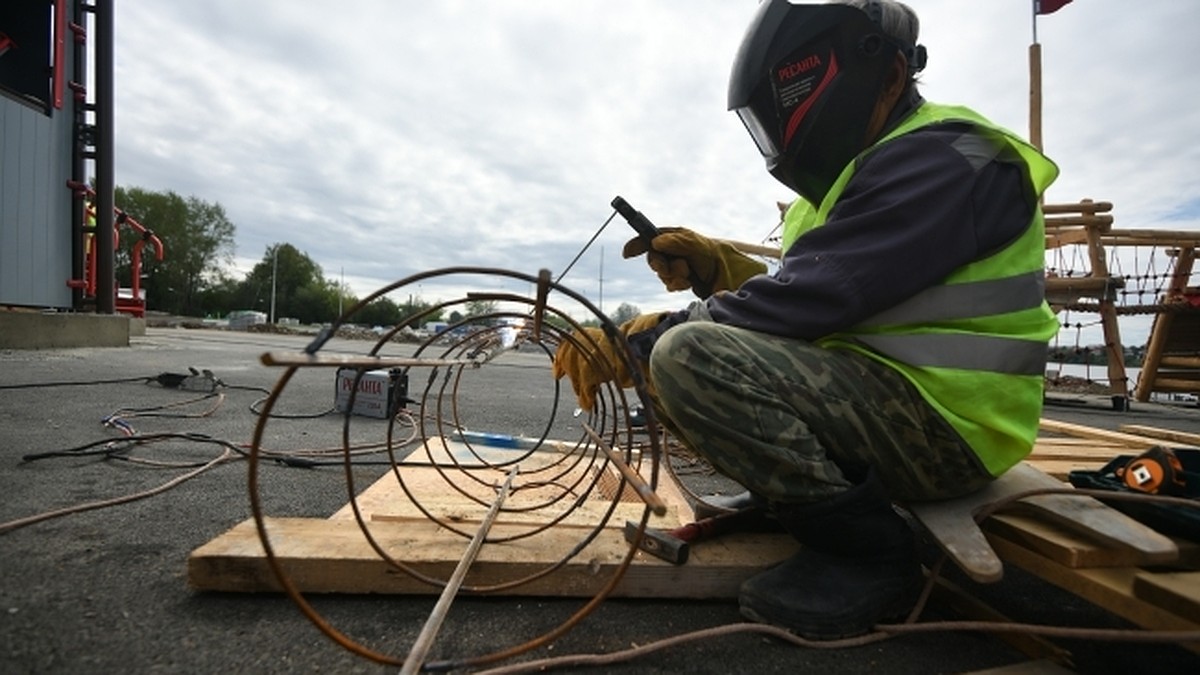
[{"x": 35, "y": 203}]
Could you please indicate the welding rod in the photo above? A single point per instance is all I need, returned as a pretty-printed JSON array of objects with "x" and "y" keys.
[
  {"x": 424, "y": 642},
  {"x": 643, "y": 490}
]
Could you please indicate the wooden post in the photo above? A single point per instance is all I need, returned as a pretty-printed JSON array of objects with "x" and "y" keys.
[
  {"x": 1118, "y": 381},
  {"x": 1162, "y": 324}
]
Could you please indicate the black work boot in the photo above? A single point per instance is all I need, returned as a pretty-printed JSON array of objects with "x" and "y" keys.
[
  {"x": 715, "y": 505},
  {"x": 857, "y": 566}
]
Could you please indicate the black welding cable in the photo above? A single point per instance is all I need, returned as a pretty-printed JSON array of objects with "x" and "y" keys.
[
  {"x": 882, "y": 632},
  {"x": 111, "y": 446},
  {"x": 247, "y": 387},
  {"x": 40, "y": 385},
  {"x": 256, "y": 408},
  {"x": 225, "y": 456}
]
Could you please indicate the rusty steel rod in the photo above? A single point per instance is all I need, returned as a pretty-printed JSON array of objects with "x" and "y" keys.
[
  {"x": 640, "y": 486},
  {"x": 353, "y": 361}
]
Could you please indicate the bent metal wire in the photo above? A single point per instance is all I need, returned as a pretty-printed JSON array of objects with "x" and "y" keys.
[{"x": 565, "y": 475}]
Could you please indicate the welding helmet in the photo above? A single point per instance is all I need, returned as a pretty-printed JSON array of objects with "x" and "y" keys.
[{"x": 805, "y": 83}]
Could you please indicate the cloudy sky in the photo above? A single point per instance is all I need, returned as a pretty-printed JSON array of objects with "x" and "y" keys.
[{"x": 389, "y": 137}]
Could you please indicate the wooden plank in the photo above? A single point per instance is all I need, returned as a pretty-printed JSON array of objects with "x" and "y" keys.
[
  {"x": 1179, "y": 361},
  {"x": 333, "y": 556},
  {"x": 1133, "y": 441},
  {"x": 1061, "y": 469},
  {"x": 951, "y": 522},
  {"x": 1060, "y": 456},
  {"x": 588, "y": 515},
  {"x": 467, "y": 501},
  {"x": 1177, "y": 592},
  {"x": 1079, "y": 285},
  {"x": 1069, "y": 442},
  {"x": 955, "y": 532},
  {"x": 1173, "y": 435},
  {"x": 1110, "y": 588},
  {"x": 1177, "y": 384},
  {"x": 1065, "y": 238},
  {"x": 1086, "y": 206},
  {"x": 445, "y": 471},
  {"x": 1089, "y": 516},
  {"x": 428, "y": 486},
  {"x": 1076, "y": 449},
  {"x": 1062, "y": 545}
]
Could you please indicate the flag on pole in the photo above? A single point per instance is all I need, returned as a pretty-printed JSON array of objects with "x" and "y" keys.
[{"x": 1048, "y": 6}]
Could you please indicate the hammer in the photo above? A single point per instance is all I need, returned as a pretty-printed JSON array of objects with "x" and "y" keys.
[{"x": 673, "y": 545}]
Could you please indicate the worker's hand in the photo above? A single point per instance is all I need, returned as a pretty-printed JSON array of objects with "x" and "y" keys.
[
  {"x": 683, "y": 259},
  {"x": 595, "y": 360}
]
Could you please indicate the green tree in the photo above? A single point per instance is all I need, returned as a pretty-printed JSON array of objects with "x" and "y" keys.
[
  {"x": 624, "y": 313},
  {"x": 296, "y": 283},
  {"x": 316, "y": 302},
  {"x": 379, "y": 312},
  {"x": 281, "y": 275},
  {"x": 481, "y": 307},
  {"x": 197, "y": 242},
  {"x": 414, "y": 306},
  {"x": 218, "y": 299}
]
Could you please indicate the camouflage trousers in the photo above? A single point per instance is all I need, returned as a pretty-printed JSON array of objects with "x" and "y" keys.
[{"x": 789, "y": 420}]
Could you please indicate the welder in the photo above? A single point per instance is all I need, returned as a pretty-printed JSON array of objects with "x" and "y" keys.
[{"x": 896, "y": 355}]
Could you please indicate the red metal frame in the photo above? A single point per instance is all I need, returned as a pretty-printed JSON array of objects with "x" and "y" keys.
[{"x": 134, "y": 306}]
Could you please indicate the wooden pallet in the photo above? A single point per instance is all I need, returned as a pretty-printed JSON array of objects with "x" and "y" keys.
[
  {"x": 1080, "y": 545},
  {"x": 1066, "y": 447},
  {"x": 1150, "y": 580}
]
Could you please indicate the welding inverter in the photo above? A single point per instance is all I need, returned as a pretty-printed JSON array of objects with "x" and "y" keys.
[{"x": 379, "y": 393}]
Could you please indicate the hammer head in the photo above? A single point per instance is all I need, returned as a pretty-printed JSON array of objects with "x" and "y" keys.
[{"x": 658, "y": 543}]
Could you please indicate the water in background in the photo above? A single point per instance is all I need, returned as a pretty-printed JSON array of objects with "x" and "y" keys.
[
  {"x": 1093, "y": 373},
  {"x": 1099, "y": 373}
]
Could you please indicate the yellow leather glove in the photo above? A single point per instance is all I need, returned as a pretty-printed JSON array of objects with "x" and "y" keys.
[
  {"x": 590, "y": 365},
  {"x": 683, "y": 259}
]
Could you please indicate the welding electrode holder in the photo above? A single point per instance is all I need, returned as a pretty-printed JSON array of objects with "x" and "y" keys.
[
  {"x": 639, "y": 222},
  {"x": 647, "y": 231}
]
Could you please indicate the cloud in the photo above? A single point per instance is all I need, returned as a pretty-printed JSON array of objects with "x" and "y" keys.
[{"x": 388, "y": 138}]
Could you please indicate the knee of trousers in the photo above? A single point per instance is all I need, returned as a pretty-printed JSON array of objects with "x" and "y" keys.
[{"x": 681, "y": 348}]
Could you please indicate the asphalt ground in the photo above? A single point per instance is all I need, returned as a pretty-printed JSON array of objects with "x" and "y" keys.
[{"x": 105, "y": 591}]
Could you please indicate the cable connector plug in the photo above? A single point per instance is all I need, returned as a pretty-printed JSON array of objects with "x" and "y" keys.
[
  {"x": 170, "y": 380},
  {"x": 201, "y": 381}
]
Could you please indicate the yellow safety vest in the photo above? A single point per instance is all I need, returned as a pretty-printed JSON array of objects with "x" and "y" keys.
[{"x": 974, "y": 345}]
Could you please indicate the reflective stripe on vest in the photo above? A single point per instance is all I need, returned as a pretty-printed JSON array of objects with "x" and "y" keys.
[
  {"x": 963, "y": 351},
  {"x": 966, "y": 301}
]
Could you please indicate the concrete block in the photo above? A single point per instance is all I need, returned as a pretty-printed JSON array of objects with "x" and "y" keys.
[{"x": 37, "y": 330}]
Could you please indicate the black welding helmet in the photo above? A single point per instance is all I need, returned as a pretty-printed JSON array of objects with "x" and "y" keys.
[{"x": 805, "y": 82}]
